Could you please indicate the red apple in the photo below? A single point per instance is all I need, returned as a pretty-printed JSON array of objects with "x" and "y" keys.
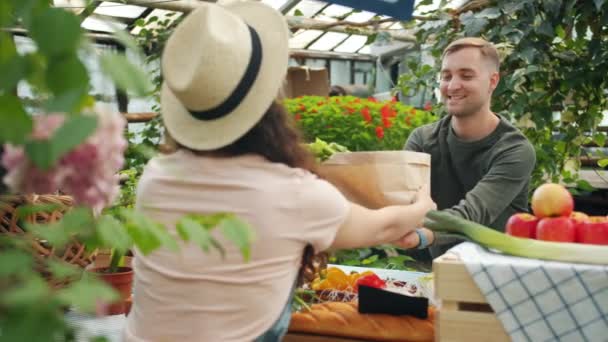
[
  {"x": 556, "y": 229},
  {"x": 578, "y": 219},
  {"x": 594, "y": 231},
  {"x": 522, "y": 225},
  {"x": 552, "y": 199}
]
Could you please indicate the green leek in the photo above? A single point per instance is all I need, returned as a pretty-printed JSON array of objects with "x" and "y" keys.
[{"x": 522, "y": 247}]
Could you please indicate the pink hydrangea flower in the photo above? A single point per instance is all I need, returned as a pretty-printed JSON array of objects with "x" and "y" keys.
[{"x": 88, "y": 172}]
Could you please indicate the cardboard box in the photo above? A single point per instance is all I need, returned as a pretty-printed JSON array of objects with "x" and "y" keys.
[
  {"x": 303, "y": 80},
  {"x": 464, "y": 314}
]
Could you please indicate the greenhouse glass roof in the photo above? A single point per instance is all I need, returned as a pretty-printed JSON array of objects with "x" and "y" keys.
[{"x": 109, "y": 16}]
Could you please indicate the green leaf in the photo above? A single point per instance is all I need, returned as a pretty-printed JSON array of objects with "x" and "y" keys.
[
  {"x": 86, "y": 293},
  {"x": 72, "y": 133},
  {"x": 40, "y": 153},
  {"x": 125, "y": 74},
  {"x": 298, "y": 13},
  {"x": 584, "y": 185},
  {"x": 15, "y": 123},
  {"x": 191, "y": 230},
  {"x": 473, "y": 25},
  {"x": 126, "y": 39},
  {"x": 489, "y": 13},
  {"x": 559, "y": 31},
  {"x": 240, "y": 233},
  {"x": 44, "y": 154},
  {"x": 112, "y": 233},
  {"x": 68, "y": 79},
  {"x": 56, "y": 31},
  {"x": 371, "y": 38},
  {"x": 599, "y": 139},
  {"x": 15, "y": 262},
  {"x": 602, "y": 163},
  {"x": 369, "y": 260},
  {"x": 34, "y": 289},
  {"x": 27, "y": 210},
  {"x": 12, "y": 65},
  {"x": 63, "y": 270}
]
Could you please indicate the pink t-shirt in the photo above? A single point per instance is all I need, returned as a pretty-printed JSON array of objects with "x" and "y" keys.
[{"x": 196, "y": 296}]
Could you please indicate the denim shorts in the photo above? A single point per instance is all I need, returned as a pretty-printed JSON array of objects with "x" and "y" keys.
[{"x": 278, "y": 330}]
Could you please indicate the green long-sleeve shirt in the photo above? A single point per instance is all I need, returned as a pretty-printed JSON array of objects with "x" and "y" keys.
[{"x": 485, "y": 181}]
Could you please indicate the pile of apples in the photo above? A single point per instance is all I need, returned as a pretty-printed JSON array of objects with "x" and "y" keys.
[{"x": 555, "y": 220}]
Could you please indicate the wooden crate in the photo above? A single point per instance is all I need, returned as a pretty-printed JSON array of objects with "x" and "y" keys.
[{"x": 464, "y": 315}]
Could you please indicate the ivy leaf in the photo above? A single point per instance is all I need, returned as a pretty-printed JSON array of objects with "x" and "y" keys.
[
  {"x": 240, "y": 234},
  {"x": 472, "y": 24},
  {"x": 371, "y": 38},
  {"x": 56, "y": 31},
  {"x": 489, "y": 13},
  {"x": 15, "y": 123},
  {"x": 125, "y": 74}
]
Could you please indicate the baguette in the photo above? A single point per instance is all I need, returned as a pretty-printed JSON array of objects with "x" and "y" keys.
[{"x": 344, "y": 320}]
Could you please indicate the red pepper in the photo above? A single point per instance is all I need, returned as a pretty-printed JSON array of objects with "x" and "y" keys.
[{"x": 371, "y": 280}]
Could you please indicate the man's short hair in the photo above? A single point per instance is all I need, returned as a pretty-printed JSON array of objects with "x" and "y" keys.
[{"x": 487, "y": 49}]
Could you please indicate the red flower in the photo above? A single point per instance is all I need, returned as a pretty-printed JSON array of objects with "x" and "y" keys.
[
  {"x": 350, "y": 110},
  {"x": 386, "y": 122},
  {"x": 372, "y": 99},
  {"x": 298, "y": 117},
  {"x": 314, "y": 111},
  {"x": 413, "y": 111},
  {"x": 380, "y": 132},
  {"x": 428, "y": 106},
  {"x": 337, "y": 100},
  {"x": 320, "y": 103},
  {"x": 357, "y": 100},
  {"x": 408, "y": 120},
  {"x": 387, "y": 112},
  {"x": 394, "y": 99},
  {"x": 302, "y": 107},
  {"x": 366, "y": 115}
]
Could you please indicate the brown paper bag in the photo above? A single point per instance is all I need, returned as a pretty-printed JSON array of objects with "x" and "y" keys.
[{"x": 377, "y": 179}]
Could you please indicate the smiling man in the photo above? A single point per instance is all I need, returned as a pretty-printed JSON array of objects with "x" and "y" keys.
[{"x": 480, "y": 163}]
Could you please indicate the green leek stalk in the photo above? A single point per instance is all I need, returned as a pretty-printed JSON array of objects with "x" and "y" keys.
[{"x": 522, "y": 247}]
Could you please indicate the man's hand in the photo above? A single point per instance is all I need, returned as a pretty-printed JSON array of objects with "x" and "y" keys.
[{"x": 412, "y": 240}]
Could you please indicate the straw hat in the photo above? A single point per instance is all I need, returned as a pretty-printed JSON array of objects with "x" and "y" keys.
[{"x": 222, "y": 67}]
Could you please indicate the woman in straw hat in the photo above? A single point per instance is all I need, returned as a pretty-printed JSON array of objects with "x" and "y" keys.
[{"x": 223, "y": 67}]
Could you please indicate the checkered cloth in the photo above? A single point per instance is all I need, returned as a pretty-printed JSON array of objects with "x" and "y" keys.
[{"x": 541, "y": 300}]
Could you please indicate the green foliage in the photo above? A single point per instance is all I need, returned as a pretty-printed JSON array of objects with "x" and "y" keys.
[
  {"x": 30, "y": 308},
  {"x": 553, "y": 66},
  {"x": 355, "y": 123},
  {"x": 387, "y": 257}
]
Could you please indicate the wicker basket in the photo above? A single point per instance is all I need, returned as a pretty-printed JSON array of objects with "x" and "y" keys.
[{"x": 73, "y": 253}]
